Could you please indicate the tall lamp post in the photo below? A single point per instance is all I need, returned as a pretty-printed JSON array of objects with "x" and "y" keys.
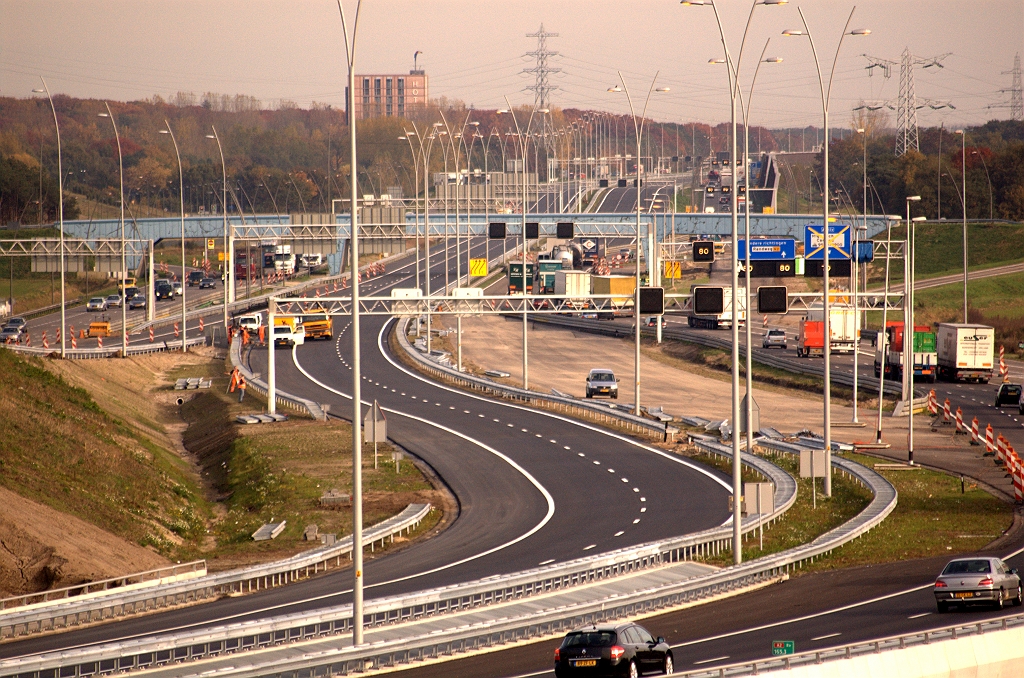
[
  {"x": 124, "y": 266},
  {"x": 908, "y": 325},
  {"x": 963, "y": 200},
  {"x": 181, "y": 197},
  {"x": 856, "y": 282},
  {"x": 638, "y": 129},
  {"x": 60, "y": 218},
  {"x": 357, "y": 443},
  {"x": 521, "y": 139},
  {"x": 229, "y": 277},
  {"x": 733, "y": 72},
  {"x": 826, "y": 93}
]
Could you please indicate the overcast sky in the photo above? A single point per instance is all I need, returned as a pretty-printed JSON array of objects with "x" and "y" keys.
[{"x": 475, "y": 50}]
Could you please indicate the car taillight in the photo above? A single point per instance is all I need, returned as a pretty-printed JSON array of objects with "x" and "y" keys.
[
  {"x": 557, "y": 654},
  {"x": 940, "y": 584},
  {"x": 618, "y": 651},
  {"x": 985, "y": 582}
]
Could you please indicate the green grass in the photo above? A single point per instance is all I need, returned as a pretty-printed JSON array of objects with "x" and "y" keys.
[
  {"x": 61, "y": 449},
  {"x": 940, "y": 249}
]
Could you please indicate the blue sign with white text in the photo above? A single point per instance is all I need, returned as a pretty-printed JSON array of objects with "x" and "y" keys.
[
  {"x": 838, "y": 241},
  {"x": 767, "y": 249}
]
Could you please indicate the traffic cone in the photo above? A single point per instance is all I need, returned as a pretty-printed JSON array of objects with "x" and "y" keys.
[
  {"x": 933, "y": 404},
  {"x": 46, "y": 344},
  {"x": 177, "y": 332},
  {"x": 1000, "y": 449},
  {"x": 58, "y": 335},
  {"x": 960, "y": 428},
  {"x": 99, "y": 342},
  {"x": 152, "y": 335},
  {"x": 201, "y": 325},
  {"x": 990, "y": 442},
  {"x": 946, "y": 416},
  {"x": 975, "y": 438},
  {"x": 74, "y": 342}
]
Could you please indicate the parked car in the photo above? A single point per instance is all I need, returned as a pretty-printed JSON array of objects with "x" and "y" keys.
[
  {"x": 18, "y": 322},
  {"x": 602, "y": 382},
  {"x": 774, "y": 338},
  {"x": 113, "y": 301},
  {"x": 136, "y": 302},
  {"x": 1008, "y": 394},
  {"x": 969, "y": 581},
  {"x": 96, "y": 304},
  {"x": 207, "y": 283},
  {"x": 614, "y": 650},
  {"x": 10, "y": 335}
]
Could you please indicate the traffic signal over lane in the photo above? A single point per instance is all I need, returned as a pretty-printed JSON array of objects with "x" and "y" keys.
[
  {"x": 496, "y": 230},
  {"x": 772, "y": 299},
  {"x": 703, "y": 251},
  {"x": 652, "y": 301},
  {"x": 708, "y": 301}
]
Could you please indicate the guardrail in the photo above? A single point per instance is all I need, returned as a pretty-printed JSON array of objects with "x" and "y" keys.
[
  {"x": 112, "y": 351},
  {"x": 327, "y": 658},
  {"x": 69, "y": 612},
  {"x": 148, "y": 577},
  {"x": 257, "y": 384},
  {"x": 867, "y": 648}
]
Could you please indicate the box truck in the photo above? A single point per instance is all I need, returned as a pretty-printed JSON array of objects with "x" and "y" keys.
[
  {"x": 842, "y": 325},
  {"x": 966, "y": 352},
  {"x": 623, "y": 286}
]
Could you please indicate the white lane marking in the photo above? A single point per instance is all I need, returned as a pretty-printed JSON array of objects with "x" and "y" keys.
[
  {"x": 795, "y": 620},
  {"x": 566, "y": 447},
  {"x": 643, "y": 498},
  {"x": 828, "y": 635},
  {"x": 716, "y": 659},
  {"x": 918, "y": 616},
  {"x": 587, "y": 548},
  {"x": 635, "y": 443},
  {"x": 611, "y": 470},
  {"x": 597, "y": 463},
  {"x": 625, "y": 480},
  {"x": 619, "y": 533},
  {"x": 580, "y": 454},
  {"x": 643, "y": 509},
  {"x": 636, "y": 520},
  {"x": 546, "y": 562},
  {"x": 508, "y": 460},
  {"x": 553, "y": 441}
]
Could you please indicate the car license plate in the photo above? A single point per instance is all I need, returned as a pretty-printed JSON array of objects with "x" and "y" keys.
[
  {"x": 585, "y": 662},
  {"x": 966, "y": 594}
]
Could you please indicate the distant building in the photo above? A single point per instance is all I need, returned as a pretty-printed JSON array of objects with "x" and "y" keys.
[{"x": 389, "y": 95}]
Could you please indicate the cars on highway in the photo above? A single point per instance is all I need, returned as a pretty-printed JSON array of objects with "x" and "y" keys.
[
  {"x": 113, "y": 301},
  {"x": 18, "y": 322},
  {"x": 130, "y": 292},
  {"x": 1008, "y": 394},
  {"x": 11, "y": 335},
  {"x": 176, "y": 286},
  {"x": 613, "y": 650},
  {"x": 96, "y": 304},
  {"x": 724, "y": 200},
  {"x": 602, "y": 381},
  {"x": 207, "y": 283},
  {"x": 649, "y": 321},
  {"x": 195, "y": 277},
  {"x": 774, "y": 338},
  {"x": 286, "y": 337},
  {"x": 163, "y": 291},
  {"x": 136, "y": 302},
  {"x": 970, "y": 581}
]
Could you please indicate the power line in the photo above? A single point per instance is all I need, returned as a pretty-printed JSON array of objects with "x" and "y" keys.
[{"x": 542, "y": 72}]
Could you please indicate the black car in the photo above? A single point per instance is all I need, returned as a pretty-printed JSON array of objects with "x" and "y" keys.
[
  {"x": 615, "y": 650},
  {"x": 207, "y": 283},
  {"x": 163, "y": 292},
  {"x": 1008, "y": 394},
  {"x": 195, "y": 277}
]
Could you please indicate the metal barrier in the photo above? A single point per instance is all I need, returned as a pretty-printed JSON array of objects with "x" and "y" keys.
[
  {"x": 871, "y": 647},
  {"x": 70, "y": 613},
  {"x": 112, "y": 351}
]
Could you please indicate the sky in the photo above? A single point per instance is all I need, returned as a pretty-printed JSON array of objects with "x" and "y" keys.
[{"x": 476, "y": 50}]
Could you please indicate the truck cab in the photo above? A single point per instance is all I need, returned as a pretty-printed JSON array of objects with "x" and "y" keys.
[{"x": 288, "y": 331}]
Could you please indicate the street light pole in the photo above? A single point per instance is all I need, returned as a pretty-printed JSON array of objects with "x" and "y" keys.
[
  {"x": 124, "y": 263},
  {"x": 908, "y": 326},
  {"x": 826, "y": 94},
  {"x": 229, "y": 278},
  {"x": 638, "y": 129},
  {"x": 357, "y": 410},
  {"x": 856, "y": 282},
  {"x": 60, "y": 218},
  {"x": 522, "y": 155},
  {"x": 181, "y": 196},
  {"x": 963, "y": 200}
]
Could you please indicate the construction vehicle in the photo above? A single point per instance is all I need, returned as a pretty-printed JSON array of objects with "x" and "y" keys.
[
  {"x": 965, "y": 352},
  {"x": 99, "y": 329},
  {"x": 318, "y": 325}
]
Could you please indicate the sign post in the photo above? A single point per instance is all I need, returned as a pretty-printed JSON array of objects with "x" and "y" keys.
[{"x": 375, "y": 427}]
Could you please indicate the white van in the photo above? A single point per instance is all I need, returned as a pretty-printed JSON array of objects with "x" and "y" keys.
[{"x": 250, "y": 322}]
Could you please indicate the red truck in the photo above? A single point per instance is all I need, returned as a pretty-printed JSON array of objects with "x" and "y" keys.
[{"x": 811, "y": 340}]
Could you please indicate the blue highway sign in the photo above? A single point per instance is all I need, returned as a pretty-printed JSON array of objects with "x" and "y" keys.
[
  {"x": 839, "y": 241},
  {"x": 765, "y": 249}
]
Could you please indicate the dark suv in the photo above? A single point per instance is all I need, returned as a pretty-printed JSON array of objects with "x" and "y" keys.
[{"x": 617, "y": 650}]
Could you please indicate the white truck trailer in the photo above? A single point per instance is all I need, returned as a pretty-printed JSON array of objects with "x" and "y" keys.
[{"x": 965, "y": 352}]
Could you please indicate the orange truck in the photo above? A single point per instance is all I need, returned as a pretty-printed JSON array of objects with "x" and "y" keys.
[{"x": 811, "y": 340}]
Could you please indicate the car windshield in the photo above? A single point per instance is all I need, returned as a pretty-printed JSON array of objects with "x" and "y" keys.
[
  {"x": 96, "y": 300},
  {"x": 589, "y": 639},
  {"x": 602, "y": 376},
  {"x": 968, "y": 567},
  {"x": 313, "y": 318},
  {"x": 776, "y": 333}
]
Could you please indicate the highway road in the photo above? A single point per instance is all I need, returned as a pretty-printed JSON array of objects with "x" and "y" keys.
[{"x": 533, "y": 488}]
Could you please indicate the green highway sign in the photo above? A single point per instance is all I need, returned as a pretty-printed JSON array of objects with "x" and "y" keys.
[{"x": 781, "y": 647}]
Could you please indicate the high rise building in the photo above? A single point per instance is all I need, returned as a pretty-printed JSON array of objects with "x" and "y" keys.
[{"x": 389, "y": 95}]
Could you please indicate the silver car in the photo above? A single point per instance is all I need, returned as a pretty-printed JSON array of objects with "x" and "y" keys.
[
  {"x": 114, "y": 301},
  {"x": 602, "y": 382},
  {"x": 96, "y": 304},
  {"x": 967, "y": 581},
  {"x": 774, "y": 338}
]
